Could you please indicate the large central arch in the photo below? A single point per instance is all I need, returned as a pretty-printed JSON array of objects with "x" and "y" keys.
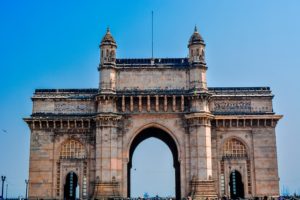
[{"x": 168, "y": 140}]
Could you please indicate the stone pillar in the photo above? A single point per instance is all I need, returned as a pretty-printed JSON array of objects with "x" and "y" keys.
[
  {"x": 108, "y": 162},
  {"x": 201, "y": 184},
  {"x": 107, "y": 66}
]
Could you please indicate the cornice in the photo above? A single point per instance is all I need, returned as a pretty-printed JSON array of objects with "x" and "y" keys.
[{"x": 206, "y": 115}]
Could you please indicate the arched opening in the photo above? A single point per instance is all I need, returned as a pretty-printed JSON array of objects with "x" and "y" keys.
[
  {"x": 169, "y": 141},
  {"x": 112, "y": 54},
  {"x": 152, "y": 171},
  {"x": 236, "y": 185},
  {"x": 71, "y": 189}
]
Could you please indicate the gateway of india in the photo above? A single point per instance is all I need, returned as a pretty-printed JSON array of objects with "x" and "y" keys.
[{"x": 222, "y": 138}]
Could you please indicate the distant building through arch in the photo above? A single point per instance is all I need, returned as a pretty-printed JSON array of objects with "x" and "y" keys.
[{"x": 221, "y": 137}]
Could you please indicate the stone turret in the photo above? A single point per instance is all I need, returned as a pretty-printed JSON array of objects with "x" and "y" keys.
[
  {"x": 108, "y": 48},
  {"x": 199, "y": 122},
  {"x": 107, "y": 184},
  {"x": 107, "y": 65},
  {"x": 198, "y": 67},
  {"x": 196, "y": 47}
]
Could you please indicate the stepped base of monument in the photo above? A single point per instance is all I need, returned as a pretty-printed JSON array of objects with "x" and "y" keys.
[
  {"x": 106, "y": 190},
  {"x": 203, "y": 190}
]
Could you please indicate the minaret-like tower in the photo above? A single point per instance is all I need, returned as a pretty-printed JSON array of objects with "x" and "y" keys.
[
  {"x": 107, "y": 65},
  {"x": 196, "y": 47},
  {"x": 108, "y": 175},
  {"x": 199, "y": 123}
]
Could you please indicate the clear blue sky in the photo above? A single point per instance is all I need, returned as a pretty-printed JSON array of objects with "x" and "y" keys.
[{"x": 54, "y": 44}]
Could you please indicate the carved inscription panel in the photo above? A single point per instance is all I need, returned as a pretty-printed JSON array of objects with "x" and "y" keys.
[
  {"x": 73, "y": 107},
  {"x": 66, "y": 107},
  {"x": 241, "y": 106},
  {"x": 225, "y": 106}
]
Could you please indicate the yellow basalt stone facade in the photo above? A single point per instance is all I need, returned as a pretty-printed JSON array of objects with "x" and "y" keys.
[{"x": 222, "y": 139}]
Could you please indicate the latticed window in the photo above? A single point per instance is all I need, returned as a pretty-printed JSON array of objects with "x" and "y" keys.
[
  {"x": 234, "y": 149},
  {"x": 72, "y": 149}
]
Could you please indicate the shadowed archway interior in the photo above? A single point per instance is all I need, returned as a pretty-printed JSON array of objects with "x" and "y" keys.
[
  {"x": 236, "y": 185},
  {"x": 70, "y": 186},
  {"x": 169, "y": 141}
]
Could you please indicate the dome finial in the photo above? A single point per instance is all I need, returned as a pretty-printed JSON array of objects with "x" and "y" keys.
[
  {"x": 108, "y": 38},
  {"x": 195, "y": 29},
  {"x": 196, "y": 38}
]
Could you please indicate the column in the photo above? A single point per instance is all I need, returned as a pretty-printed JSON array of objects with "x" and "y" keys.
[
  {"x": 107, "y": 158},
  {"x": 201, "y": 184}
]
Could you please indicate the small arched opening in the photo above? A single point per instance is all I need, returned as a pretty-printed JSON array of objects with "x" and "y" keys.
[
  {"x": 235, "y": 150},
  {"x": 71, "y": 151},
  {"x": 71, "y": 188},
  {"x": 236, "y": 185}
]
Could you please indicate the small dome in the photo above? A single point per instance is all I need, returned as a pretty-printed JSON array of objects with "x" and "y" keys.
[
  {"x": 108, "y": 39},
  {"x": 196, "y": 38}
]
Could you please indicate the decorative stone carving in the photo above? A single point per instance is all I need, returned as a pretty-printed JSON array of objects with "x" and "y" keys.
[
  {"x": 232, "y": 106},
  {"x": 69, "y": 107},
  {"x": 141, "y": 96}
]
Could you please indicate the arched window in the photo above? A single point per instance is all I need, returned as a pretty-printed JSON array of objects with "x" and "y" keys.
[
  {"x": 203, "y": 53},
  {"x": 106, "y": 57},
  {"x": 234, "y": 148},
  {"x": 72, "y": 149},
  {"x": 112, "y": 54}
]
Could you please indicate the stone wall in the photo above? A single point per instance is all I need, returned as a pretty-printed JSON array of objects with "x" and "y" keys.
[
  {"x": 152, "y": 78},
  {"x": 265, "y": 161},
  {"x": 41, "y": 167},
  {"x": 89, "y": 118},
  {"x": 48, "y": 171},
  {"x": 260, "y": 174},
  {"x": 64, "y": 101}
]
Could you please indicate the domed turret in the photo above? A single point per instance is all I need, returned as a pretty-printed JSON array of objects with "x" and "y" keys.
[
  {"x": 108, "y": 39},
  {"x": 196, "y": 38},
  {"x": 196, "y": 47},
  {"x": 197, "y": 72},
  {"x": 108, "y": 48}
]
